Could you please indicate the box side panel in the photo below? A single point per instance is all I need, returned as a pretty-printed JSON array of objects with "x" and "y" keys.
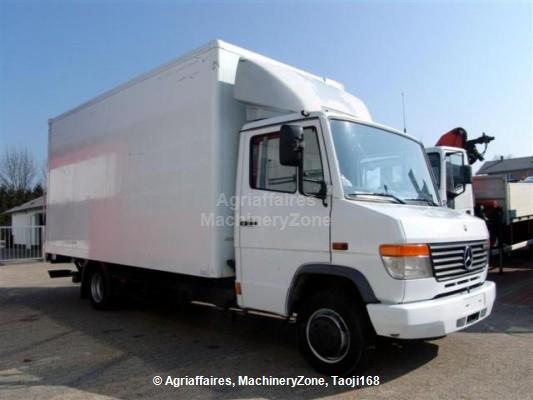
[
  {"x": 131, "y": 175},
  {"x": 490, "y": 188},
  {"x": 521, "y": 199}
]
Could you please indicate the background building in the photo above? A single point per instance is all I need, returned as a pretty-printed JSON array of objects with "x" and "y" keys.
[
  {"x": 23, "y": 217},
  {"x": 516, "y": 169}
]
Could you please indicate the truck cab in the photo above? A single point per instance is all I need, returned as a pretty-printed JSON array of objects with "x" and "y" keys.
[
  {"x": 453, "y": 178},
  {"x": 341, "y": 224}
]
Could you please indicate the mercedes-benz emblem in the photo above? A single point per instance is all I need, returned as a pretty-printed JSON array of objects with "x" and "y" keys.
[{"x": 468, "y": 258}]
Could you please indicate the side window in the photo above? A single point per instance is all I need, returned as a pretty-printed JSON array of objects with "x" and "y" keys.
[
  {"x": 312, "y": 172},
  {"x": 266, "y": 173},
  {"x": 454, "y": 164},
  {"x": 434, "y": 159}
]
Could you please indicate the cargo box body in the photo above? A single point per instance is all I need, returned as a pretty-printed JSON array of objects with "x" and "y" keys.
[
  {"x": 133, "y": 172},
  {"x": 515, "y": 198}
]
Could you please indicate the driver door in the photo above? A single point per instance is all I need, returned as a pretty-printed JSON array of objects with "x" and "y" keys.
[{"x": 282, "y": 224}]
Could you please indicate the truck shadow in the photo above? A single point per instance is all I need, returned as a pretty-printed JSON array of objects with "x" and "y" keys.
[
  {"x": 57, "y": 339},
  {"x": 513, "y": 310}
]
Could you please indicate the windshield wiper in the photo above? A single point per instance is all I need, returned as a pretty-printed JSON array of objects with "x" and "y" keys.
[
  {"x": 424, "y": 199},
  {"x": 378, "y": 194},
  {"x": 423, "y": 194}
]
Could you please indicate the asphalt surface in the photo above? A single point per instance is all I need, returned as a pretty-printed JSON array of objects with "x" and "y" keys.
[{"x": 54, "y": 345}]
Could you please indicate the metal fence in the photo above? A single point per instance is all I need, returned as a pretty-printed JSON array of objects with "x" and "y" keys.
[{"x": 18, "y": 243}]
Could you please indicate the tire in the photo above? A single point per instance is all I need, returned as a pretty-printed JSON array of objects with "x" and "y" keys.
[
  {"x": 333, "y": 334},
  {"x": 100, "y": 289}
]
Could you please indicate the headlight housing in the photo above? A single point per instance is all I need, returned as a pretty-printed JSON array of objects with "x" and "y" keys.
[{"x": 406, "y": 261}]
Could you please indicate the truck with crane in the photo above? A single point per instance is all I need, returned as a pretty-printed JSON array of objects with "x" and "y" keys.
[{"x": 507, "y": 207}]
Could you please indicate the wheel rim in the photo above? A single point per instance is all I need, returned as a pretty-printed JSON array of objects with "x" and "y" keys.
[
  {"x": 328, "y": 335},
  {"x": 97, "y": 287}
]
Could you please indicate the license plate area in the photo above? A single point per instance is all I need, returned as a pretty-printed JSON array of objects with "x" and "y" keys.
[
  {"x": 474, "y": 303},
  {"x": 474, "y": 309},
  {"x": 470, "y": 319}
]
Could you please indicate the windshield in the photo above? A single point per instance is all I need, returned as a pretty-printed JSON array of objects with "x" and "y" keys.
[{"x": 381, "y": 165}]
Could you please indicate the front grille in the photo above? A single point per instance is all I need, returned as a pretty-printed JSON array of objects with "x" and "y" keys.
[{"x": 448, "y": 259}]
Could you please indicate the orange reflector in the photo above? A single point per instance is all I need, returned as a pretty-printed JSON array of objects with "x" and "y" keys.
[
  {"x": 339, "y": 246},
  {"x": 238, "y": 290},
  {"x": 404, "y": 250}
]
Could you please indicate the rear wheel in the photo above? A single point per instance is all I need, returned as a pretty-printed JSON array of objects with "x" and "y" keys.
[
  {"x": 332, "y": 334},
  {"x": 100, "y": 290}
]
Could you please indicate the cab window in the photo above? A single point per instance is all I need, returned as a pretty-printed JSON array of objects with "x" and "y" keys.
[
  {"x": 312, "y": 172},
  {"x": 266, "y": 172}
]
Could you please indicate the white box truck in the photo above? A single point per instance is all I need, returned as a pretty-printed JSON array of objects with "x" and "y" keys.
[{"x": 234, "y": 179}]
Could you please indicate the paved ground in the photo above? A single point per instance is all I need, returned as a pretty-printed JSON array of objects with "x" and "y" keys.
[{"x": 53, "y": 345}]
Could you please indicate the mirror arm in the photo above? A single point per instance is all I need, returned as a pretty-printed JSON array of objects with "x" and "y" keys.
[{"x": 324, "y": 193}]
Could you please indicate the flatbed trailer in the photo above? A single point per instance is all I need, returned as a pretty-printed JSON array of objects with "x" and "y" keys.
[{"x": 508, "y": 209}]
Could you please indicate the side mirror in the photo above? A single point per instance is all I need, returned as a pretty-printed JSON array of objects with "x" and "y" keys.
[
  {"x": 291, "y": 144},
  {"x": 466, "y": 174},
  {"x": 457, "y": 177},
  {"x": 450, "y": 182}
]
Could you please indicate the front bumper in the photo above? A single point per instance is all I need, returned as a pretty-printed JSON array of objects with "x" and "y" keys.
[{"x": 433, "y": 318}]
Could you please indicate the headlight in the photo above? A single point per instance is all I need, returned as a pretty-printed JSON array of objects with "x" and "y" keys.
[{"x": 406, "y": 261}]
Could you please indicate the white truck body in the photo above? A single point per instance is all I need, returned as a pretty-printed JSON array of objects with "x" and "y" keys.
[{"x": 145, "y": 176}]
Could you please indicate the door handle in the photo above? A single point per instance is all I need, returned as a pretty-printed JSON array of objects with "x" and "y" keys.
[{"x": 248, "y": 223}]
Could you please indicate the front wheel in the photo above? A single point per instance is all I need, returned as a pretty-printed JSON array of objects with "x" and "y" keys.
[{"x": 332, "y": 334}]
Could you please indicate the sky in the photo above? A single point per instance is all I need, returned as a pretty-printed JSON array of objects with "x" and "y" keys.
[{"x": 466, "y": 63}]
